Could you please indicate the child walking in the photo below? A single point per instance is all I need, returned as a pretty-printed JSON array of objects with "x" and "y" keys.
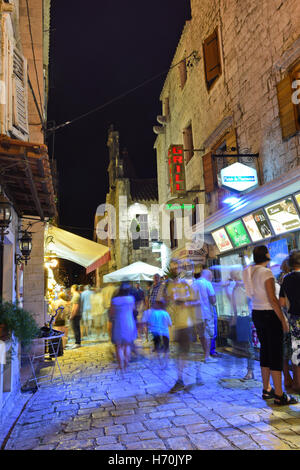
[{"x": 159, "y": 321}]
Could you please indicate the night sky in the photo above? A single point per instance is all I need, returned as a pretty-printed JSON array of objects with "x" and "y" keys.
[{"x": 99, "y": 50}]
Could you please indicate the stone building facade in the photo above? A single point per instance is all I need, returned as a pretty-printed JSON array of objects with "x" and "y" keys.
[
  {"x": 132, "y": 223},
  {"x": 229, "y": 91},
  {"x": 26, "y": 176}
]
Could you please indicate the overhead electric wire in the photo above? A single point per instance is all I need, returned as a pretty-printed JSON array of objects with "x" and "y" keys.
[{"x": 117, "y": 98}]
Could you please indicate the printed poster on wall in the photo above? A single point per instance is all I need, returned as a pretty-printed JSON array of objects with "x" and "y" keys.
[
  {"x": 257, "y": 226},
  {"x": 222, "y": 240},
  {"x": 283, "y": 216},
  {"x": 237, "y": 233}
]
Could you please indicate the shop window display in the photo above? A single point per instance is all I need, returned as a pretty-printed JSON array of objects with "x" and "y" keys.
[{"x": 233, "y": 306}]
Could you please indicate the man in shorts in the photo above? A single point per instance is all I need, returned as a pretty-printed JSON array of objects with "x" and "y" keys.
[{"x": 182, "y": 300}]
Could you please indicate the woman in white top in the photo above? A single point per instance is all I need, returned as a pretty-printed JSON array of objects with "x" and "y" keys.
[{"x": 270, "y": 324}]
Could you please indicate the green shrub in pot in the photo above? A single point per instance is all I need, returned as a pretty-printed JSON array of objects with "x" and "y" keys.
[{"x": 19, "y": 322}]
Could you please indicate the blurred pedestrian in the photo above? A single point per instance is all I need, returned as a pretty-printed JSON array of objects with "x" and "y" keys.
[
  {"x": 139, "y": 296},
  {"x": 75, "y": 315},
  {"x": 107, "y": 293},
  {"x": 150, "y": 300},
  {"x": 123, "y": 324},
  {"x": 61, "y": 308},
  {"x": 182, "y": 299},
  {"x": 290, "y": 299},
  {"x": 270, "y": 324},
  {"x": 206, "y": 328},
  {"x": 86, "y": 319},
  {"x": 158, "y": 321},
  {"x": 287, "y": 343},
  {"x": 99, "y": 324}
]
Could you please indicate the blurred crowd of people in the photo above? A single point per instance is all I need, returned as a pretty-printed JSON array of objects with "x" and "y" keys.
[
  {"x": 182, "y": 307},
  {"x": 82, "y": 311}
]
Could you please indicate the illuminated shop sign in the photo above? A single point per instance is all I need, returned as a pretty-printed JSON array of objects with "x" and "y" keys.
[
  {"x": 222, "y": 241},
  {"x": 257, "y": 226},
  {"x": 297, "y": 197},
  {"x": 239, "y": 177},
  {"x": 176, "y": 170},
  {"x": 174, "y": 207},
  {"x": 237, "y": 233},
  {"x": 283, "y": 216}
]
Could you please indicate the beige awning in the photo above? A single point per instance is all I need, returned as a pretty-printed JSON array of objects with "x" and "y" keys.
[{"x": 80, "y": 250}]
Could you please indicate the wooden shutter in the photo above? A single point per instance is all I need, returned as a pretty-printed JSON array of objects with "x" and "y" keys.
[
  {"x": 231, "y": 142},
  {"x": 212, "y": 59},
  {"x": 286, "y": 108},
  {"x": 182, "y": 73},
  {"x": 209, "y": 172},
  {"x": 174, "y": 241},
  {"x": 20, "y": 112},
  {"x": 188, "y": 143}
]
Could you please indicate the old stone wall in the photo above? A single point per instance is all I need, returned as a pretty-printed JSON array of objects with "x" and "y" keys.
[{"x": 257, "y": 46}]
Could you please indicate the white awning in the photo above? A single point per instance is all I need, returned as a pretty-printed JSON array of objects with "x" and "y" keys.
[
  {"x": 138, "y": 271},
  {"x": 82, "y": 251}
]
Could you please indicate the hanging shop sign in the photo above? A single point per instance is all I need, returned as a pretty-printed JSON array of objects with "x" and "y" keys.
[
  {"x": 283, "y": 216},
  {"x": 257, "y": 226},
  {"x": 176, "y": 170},
  {"x": 237, "y": 233},
  {"x": 238, "y": 177},
  {"x": 222, "y": 241}
]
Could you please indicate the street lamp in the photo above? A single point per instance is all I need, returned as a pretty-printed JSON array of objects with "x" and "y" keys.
[
  {"x": 5, "y": 215},
  {"x": 25, "y": 244},
  {"x": 5, "y": 220}
]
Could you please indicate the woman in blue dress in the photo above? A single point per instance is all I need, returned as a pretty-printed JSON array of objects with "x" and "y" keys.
[{"x": 123, "y": 324}]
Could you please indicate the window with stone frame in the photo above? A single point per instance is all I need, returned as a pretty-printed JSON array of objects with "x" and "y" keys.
[
  {"x": 212, "y": 59},
  {"x": 143, "y": 240},
  {"x": 289, "y": 112},
  {"x": 212, "y": 166}
]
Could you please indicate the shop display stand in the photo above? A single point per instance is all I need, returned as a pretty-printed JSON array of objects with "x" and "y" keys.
[{"x": 51, "y": 349}]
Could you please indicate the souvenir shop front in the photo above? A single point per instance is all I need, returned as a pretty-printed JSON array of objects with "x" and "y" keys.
[{"x": 269, "y": 215}]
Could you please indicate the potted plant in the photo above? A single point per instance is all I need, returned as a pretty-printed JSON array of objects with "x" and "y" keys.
[{"x": 16, "y": 320}]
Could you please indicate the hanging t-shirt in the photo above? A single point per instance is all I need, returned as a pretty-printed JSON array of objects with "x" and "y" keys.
[{"x": 291, "y": 289}]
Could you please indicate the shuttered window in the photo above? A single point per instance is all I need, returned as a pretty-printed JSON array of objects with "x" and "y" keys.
[
  {"x": 182, "y": 73},
  {"x": 173, "y": 238},
  {"x": 296, "y": 77},
  {"x": 20, "y": 113},
  {"x": 209, "y": 172},
  {"x": 188, "y": 143},
  {"x": 286, "y": 108},
  {"x": 212, "y": 59}
]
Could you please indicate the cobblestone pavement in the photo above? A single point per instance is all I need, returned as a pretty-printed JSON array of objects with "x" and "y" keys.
[{"x": 97, "y": 409}]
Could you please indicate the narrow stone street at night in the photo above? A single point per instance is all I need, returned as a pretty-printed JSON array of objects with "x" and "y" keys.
[{"x": 98, "y": 409}]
